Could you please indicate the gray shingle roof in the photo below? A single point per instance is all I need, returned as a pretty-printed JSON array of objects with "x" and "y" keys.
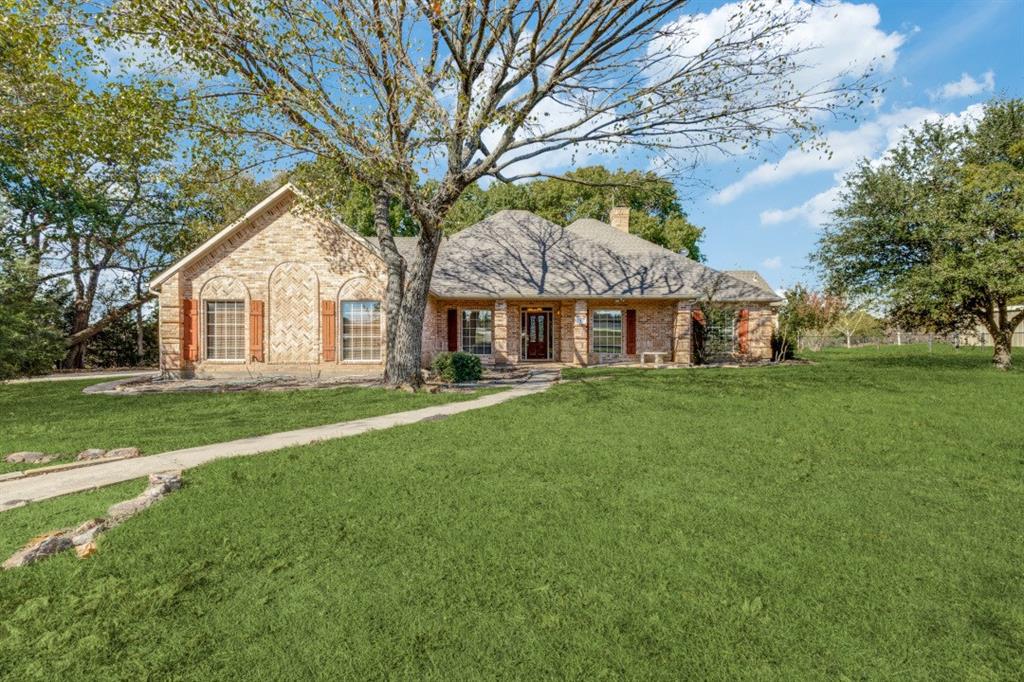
[
  {"x": 751, "y": 277},
  {"x": 516, "y": 254}
]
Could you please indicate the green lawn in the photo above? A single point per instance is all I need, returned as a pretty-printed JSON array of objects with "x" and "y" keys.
[
  {"x": 859, "y": 518},
  {"x": 56, "y": 417}
]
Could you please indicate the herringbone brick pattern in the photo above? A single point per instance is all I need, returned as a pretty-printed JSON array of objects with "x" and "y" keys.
[{"x": 293, "y": 306}]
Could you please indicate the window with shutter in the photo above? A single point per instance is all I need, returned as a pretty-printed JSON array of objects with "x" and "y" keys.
[
  {"x": 189, "y": 331},
  {"x": 328, "y": 330},
  {"x": 743, "y": 331},
  {"x": 453, "y": 330},
  {"x": 631, "y": 332},
  {"x": 256, "y": 331}
]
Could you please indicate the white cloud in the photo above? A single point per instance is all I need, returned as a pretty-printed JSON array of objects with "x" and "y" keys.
[
  {"x": 967, "y": 86},
  {"x": 816, "y": 211},
  {"x": 773, "y": 263},
  {"x": 845, "y": 148},
  {"x": 834, "y": 43},
  {"x": 831, "y": 45},
  {"x": 837, "y": 40},
  {"x": 888, "y": 129}
]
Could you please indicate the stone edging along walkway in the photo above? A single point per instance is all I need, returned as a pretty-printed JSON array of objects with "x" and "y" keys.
[{"x": 19, "y": 492}]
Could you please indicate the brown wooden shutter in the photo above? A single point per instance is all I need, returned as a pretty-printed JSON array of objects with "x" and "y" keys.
[
  {"x": 189, "y": 330},
  {"x": 328, "y": 328},
  {"x": 743, "y": 331},
  {"x": 453, "y": 330},
  {"x": 630, "y": 332},
  {"x": 256, "y": 331}
]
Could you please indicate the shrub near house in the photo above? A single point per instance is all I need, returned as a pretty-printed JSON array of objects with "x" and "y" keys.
[{"x": 457, "y": 367}]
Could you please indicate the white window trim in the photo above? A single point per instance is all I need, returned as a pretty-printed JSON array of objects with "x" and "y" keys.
[
  {"x": 734, "y": 335},
  {"x": 470, "y": 309},
  {"x": 340, "y": 324},
  {"x": 204, "y": 342},
  {"x": 622, "y": 330}
]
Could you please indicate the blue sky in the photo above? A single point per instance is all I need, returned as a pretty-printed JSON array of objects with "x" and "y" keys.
[
  {"x": 939, "y": 58},
  {"x": 765, "y": 215}
]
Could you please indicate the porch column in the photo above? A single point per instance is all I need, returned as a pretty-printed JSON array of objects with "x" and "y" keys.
[
  {"x": 580, "y": 335},
  {"x": 169, "y": 326},
  {"x": 681, "y": 330},
  {"x": 500, "y": 332}
]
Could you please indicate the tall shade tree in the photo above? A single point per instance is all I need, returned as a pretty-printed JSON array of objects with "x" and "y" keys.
[
  {"x": 421, "y": 99},
  {"x": 95, "y": 188},
  {"x": 937, "y": 227}
]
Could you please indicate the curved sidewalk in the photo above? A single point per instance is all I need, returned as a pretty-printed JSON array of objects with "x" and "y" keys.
[{"x": 19, "y": 492}]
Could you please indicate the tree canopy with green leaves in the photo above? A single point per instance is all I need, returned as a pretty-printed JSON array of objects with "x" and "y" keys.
[
  {"x": 591, "y": 192},
  {"x": 937, "y": 227},
  {"x": 99, "y": 187}
]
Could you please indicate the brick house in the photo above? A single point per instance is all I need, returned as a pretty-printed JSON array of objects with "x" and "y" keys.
[{"x": 285, "y": 291}]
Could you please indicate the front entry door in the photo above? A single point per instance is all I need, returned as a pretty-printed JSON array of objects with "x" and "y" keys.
[{"x": 538, "y": 331}]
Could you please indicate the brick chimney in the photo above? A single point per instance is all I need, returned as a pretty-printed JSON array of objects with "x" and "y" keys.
[{"x": 619, "y": 218}]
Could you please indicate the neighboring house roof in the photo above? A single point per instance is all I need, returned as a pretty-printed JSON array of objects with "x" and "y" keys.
[
  {"x": 751, "y": 277},
  {"x": 517, "y": 254}
]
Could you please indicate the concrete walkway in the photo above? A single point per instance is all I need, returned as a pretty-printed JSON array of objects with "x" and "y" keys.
[
  {"x": 72, "y": 376},
  {"x": 20, "y": 492}
]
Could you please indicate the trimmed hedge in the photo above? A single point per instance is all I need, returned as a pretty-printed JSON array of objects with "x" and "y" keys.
[{"x": 457, "y": 368}]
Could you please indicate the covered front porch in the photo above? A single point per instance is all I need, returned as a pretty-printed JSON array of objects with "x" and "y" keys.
[{"x": 574, "y": 332}]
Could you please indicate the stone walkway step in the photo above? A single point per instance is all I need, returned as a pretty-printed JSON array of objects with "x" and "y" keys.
[{"x": 22, "y": 491}]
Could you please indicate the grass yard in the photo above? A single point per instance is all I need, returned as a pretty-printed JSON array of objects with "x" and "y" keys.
[
  {"x": 859, "y": 518},
  {"x": 56, "y": 417}
]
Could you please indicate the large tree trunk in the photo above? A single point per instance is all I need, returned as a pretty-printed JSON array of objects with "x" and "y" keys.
[
  {"x": 395, "y": 289},
  {"x": 82, "y": 331},
  {"x": 1000, "y": 325},
  {"x": 1003, "y": 342},
  {"x": 75, "y": 358},
  {"x": 403, "y": 366}
]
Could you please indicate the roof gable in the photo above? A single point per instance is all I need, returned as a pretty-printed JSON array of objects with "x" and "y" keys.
[
  {"x": 752, "y": 277},
  {"x": 286, "y": 192}
]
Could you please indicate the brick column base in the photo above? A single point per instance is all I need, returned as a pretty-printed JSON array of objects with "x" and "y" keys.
[
  {"x": 681, "y": 333},
  {"x": 580, "y": 334},
  {"x": 500, "y": 332}
]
